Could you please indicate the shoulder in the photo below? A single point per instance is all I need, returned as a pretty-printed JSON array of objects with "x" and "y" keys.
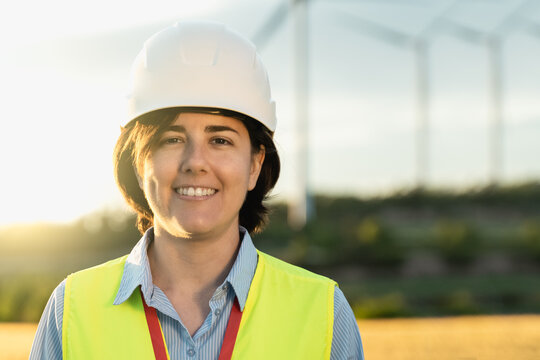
[
  {"x": 99, "y": 271},
  {"x": 102, "y": 281},
  {"x": 346, "y": 340},
  {"x": 48, "y": 339},
  {"x": 110, "y": 265},
  {"x": 293, "y": 270}
]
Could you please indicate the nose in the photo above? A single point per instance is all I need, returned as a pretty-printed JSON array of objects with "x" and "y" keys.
[{"x": 194, "y": 158}]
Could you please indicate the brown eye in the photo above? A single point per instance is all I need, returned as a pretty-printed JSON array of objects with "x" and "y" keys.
[
  {"x": 172, "y": 140},
  {"x": 221, "y": 141}
]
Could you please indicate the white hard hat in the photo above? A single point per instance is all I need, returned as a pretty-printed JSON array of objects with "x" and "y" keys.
[{"x": 200, "y": 64}]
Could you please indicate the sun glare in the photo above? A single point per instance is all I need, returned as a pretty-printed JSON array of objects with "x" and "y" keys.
[
  {"x": 60, "y": 120},
  {"x": 63, "y": 18}
]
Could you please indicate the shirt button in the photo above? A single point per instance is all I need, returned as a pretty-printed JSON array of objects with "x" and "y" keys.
[
  {"x": 191, "y": 352},
  {"x": 217, "y": 312},
  {"x": 225, "y": 287}
]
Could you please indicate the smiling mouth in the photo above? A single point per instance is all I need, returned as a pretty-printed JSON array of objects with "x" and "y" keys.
[{"x": 195, "y": 191}]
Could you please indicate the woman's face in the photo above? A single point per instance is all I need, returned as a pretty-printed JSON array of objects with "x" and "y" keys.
[{"x": 197, "y": 177}]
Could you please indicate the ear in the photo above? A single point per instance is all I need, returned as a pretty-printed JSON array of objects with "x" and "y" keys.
[
  {"x": 139, "y": 177},
  {"x": 257, "y": 160}
]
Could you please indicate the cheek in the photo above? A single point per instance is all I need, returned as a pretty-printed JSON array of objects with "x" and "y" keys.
[
  {"x": 235, "y": 170},
  {"x": 156, "y": 174}
]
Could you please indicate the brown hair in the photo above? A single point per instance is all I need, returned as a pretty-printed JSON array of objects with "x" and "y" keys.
[{"x": 138, "y": 138}]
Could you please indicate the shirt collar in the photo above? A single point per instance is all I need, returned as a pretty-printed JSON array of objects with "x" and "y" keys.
[
  {"x": 137, "y": 270},
  {"x": 243, "y": 269}
]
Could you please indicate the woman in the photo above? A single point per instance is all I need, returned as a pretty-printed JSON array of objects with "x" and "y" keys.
[{"x": 195, "y": 160}]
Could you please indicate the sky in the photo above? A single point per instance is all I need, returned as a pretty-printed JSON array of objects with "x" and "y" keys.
[{"x": 64, "y": 73}]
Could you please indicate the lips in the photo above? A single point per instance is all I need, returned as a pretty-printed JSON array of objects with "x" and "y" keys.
[{"x": 195, "y": 191}]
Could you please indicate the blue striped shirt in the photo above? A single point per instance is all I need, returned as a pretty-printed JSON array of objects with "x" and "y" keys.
[{"x": 207, "y": 340}]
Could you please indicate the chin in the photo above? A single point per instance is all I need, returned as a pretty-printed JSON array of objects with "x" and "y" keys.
[
  {"x": 192, "y": 228},
  {"x": 190, "y": 225}
]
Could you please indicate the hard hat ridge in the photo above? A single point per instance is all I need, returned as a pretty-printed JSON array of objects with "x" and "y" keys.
[{"x": 200, "y": 64}]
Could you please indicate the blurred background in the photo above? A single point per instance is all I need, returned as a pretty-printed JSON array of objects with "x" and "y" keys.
[{"x": 409, "y": 133}]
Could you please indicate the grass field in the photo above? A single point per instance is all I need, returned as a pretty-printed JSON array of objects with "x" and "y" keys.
[
  {"x": 457, "y": 338},
  {"x": 16, "y": 340}
]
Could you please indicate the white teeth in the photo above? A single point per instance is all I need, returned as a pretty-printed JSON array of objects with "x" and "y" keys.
[{"x": 191, "y": 191}]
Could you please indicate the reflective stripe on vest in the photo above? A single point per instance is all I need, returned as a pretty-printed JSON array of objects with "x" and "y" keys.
[{"x": 289, "y": 314}]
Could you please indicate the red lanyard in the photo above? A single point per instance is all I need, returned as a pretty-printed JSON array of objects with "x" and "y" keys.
[{"x": 157, "y": 337}]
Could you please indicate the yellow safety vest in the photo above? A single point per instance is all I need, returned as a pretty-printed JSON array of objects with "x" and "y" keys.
[{"x": 289, "y": 314}]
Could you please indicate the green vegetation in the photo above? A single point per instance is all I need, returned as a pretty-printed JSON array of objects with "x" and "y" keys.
[
  {"x": 23, "y": 297},
  {"x": 444, "y": 295},
  {"x": 410, "y": 254}
]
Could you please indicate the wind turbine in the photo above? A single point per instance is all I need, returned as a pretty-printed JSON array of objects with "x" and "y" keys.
[
  {"x": 419, "y": 43},
  {"x": 494, "y": 41},
  {"x": 301, "y": 205}
]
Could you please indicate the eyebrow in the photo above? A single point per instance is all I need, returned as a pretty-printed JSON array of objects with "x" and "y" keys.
[
  {"x": 218, "y": 128},
  {"x": 208, "y": 129}
]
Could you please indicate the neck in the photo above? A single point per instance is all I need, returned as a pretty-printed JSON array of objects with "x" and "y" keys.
[{"x": 192, "y": 266}]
